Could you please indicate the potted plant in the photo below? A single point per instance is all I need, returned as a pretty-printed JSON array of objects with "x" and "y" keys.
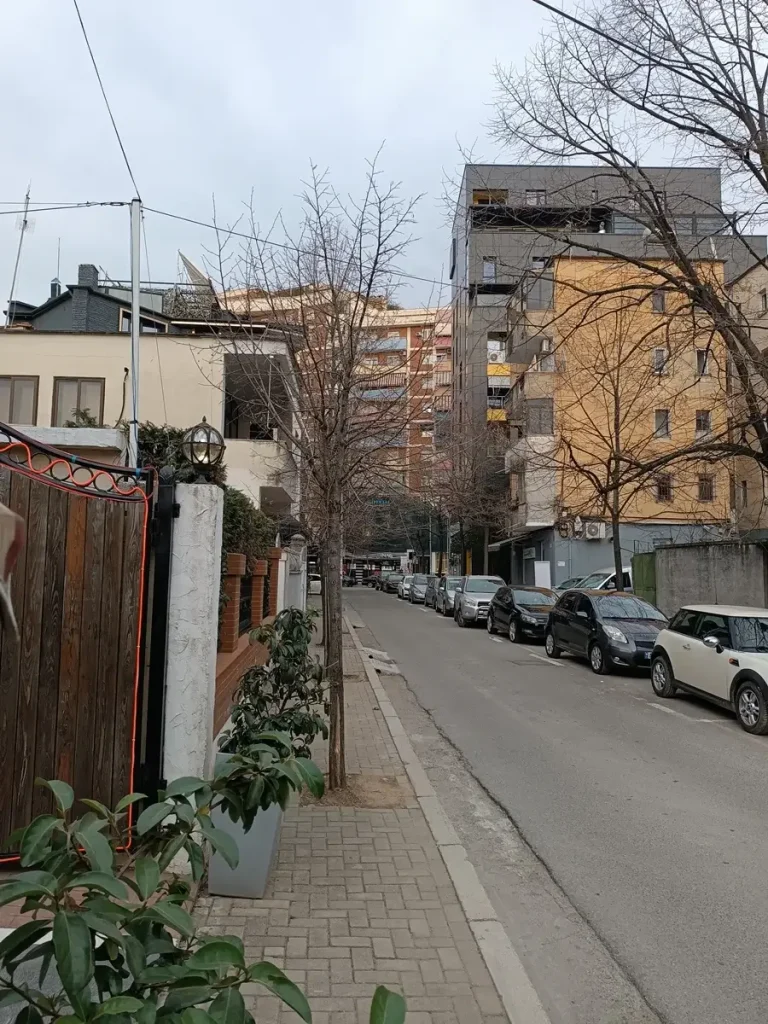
[{"x": 277, "y": 705}]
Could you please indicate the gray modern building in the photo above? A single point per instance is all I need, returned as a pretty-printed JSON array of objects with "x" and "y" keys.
[{"x": 511, "y": 221}]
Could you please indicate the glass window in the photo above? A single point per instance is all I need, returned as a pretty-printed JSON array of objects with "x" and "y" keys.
[
  {"x": 659, "y": 301},
  {"x": 535, "y": 197},
  {"x": 750, "y": 633},
  {"x": 489, "y": 268},
  {"x": 616, "y": 607},
  {"x": 706, "y": 488},
  {"x": 543, "y": 598},
  {"x": 703, "y": 422},
  {"x": 593, "y": 581},
  {"x": 660, "y": 359},
  {"x": 764, "y": 301},
  {"x": 684, "y": 622},
  {"x": 488, "y": 196},
  {"x": 78, "y": 401},
  {"x": 567, "y": 602},
  {"x": 539, "y": 416},
  {"x": 702, "y": 362},
  {"x": 483, "y": 584},
  {"x": 420, "y": 581},
  {"x": 714, "y": 224},
  {"x": 18, "y": 400},
  {"x": 583, "y": 604},
  {"x": 453, "y": 582},
  {"x": 663, "y": 487},
  {"x": 714, "y": 625},
  {"x": 661, "y": 423}
]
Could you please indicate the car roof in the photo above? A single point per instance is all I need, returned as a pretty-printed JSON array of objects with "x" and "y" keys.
[
  {"x": 479, "y": 576},
  {"x": 535, "y": 590},
  {"x": 624, "y": 568},
  {"x": 734, "y": 610},
  {"x": 604, "y": 593}
]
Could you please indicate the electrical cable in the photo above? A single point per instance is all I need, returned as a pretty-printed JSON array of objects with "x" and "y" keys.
[
  {"x": 106, "y": 101},
  {"x": 157, "y": 339},
  {"x": 66, "y": 206}
]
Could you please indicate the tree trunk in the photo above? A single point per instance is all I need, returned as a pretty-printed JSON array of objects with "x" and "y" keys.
[
  {"x": 333, "y": 646},
  {"x": 615, "y": 508}
]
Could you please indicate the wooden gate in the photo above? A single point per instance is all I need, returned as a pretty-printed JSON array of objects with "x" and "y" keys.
[{"x": 70, "y": 683}]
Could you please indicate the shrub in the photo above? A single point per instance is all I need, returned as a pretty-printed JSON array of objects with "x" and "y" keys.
[
  {"x": 246, "y": 529},
  {"x": 286, "y": 694}
]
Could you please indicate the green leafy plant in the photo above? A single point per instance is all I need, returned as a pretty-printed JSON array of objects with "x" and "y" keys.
[
  {"x": 160, "y": 445},
  {"x": 110, "y": 936},
  {"x": 246, "y": 530},
  {"x": 286, "y": 695}
]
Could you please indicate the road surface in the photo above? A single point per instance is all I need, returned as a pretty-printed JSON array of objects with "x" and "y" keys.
[{"x": 649, "y": 817}]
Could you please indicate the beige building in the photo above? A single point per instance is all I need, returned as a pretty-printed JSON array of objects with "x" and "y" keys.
[{"x": 51, "y": 379}]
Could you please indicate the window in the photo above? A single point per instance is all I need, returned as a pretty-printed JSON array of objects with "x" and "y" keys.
[
  {"x": 660, "y": 360},
  {"x": 703, "y": 422},
  {"x": 750, "y": 634},
  {"x": 453, "y": 258},
  {"x": 743, "y": 493},
  {"x": 594, "y": 195},
  {"x": 18, "y": 400},
  {"x": 764, "y": 301},
  {"x": 539, "y": 262},
  {"x": 714, "y": 224},
  {"x": 539, "y": 416},
  {"x": 706, "y": 488},
  {"x": 659, "y": 301},
  {"x": 146, "y": 324},
  {"x": 535, "y": 197},
  {"x": 702, "y": 362},
  {"x": 489, "y": 268},
  {"x": 684, "y": 622},
  {"x": 489, "y": 196},
  {"x": 661, "y": 425},
  {"x": 714, "y": 625},
  {"x": 664, "y": 487},
  {"x": 78, "y": 400}
]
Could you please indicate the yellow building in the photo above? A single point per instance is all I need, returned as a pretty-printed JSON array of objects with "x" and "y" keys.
[{"x": 620, "y": 376}]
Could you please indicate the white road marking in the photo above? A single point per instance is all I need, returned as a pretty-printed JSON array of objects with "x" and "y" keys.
[
  {"x": 496, "y": 640},
  {"x": 669, "y": 711},
  {"x": 549, "y": 661}
]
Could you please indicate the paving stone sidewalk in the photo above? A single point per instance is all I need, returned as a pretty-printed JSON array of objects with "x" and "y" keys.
[{"x": 361, "y": 897}]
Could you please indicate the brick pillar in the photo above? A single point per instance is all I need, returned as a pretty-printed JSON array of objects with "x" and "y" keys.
[
  {"x": 260, "y": 570},
  {"x": 274, "y": 569},
  {"x": 230, "y": 622}
]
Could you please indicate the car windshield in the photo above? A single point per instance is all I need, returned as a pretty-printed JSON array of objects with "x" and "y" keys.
[
  {"x": 574, "y": 581},
  {"x": 594, "y": 581},
  {"x": 395, "y": 576},
  {"x": 482, "y": 585},
  {"x": 407, "y": 579},
  {"x": 627, "y": 608},
  {"x": 544, "y": 598},
  {"x": 750, "y": 633},
  {"x": 452, "y": 582},
  {"x": 420, "y": 581}
]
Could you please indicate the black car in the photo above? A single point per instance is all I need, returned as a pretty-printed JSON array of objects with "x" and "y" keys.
[
  {"x": 520, "y": 612},
  {"x": 392, "y": 582},
  {"x": 609, "y": 629},
  {"x": 349, "y": 580}
]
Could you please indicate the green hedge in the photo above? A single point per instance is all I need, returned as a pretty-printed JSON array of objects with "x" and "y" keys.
[{"x": 247, "y": 530}]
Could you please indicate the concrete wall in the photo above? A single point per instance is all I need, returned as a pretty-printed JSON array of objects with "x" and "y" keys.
[
  {"x": 729, "y": 573},
  {"x": 252, "y": 465},
  {"x": 193, "y": 631}
]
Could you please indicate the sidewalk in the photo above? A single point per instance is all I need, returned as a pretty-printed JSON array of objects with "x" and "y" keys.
[{"x": 361, "y": 896}]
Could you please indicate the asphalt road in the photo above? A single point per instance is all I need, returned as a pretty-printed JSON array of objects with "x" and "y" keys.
[{"x": 651, "y": 816}]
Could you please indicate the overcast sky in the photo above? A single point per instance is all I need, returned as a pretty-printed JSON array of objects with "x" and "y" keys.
[{"x": 235, "y": 96}]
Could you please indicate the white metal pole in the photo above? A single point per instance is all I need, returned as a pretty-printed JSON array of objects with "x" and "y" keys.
[
  {"x": 133, "y": 433},
  {"x": 24, "y": 226}
]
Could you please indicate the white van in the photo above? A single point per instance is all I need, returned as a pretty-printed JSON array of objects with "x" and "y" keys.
[{"x": 605, "y": 579}]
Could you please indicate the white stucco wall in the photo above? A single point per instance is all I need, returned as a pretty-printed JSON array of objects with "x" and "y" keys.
[{"x": 192, "y": 631}]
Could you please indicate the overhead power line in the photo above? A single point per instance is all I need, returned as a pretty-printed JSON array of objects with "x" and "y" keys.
[
  {"x": 395, "y": 272},
  {"x": 106, "y": 101},
  {"x": 64, "y": 206}
]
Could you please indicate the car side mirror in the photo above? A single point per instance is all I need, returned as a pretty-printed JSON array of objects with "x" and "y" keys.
[
  {"x": 713, "y": 643},
  {"x": 459, "y": 590}
]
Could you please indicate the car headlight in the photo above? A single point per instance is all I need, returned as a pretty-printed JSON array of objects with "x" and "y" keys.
[
  {"x": 528, "y": 618},
  {"x": 615, "y": 634}
]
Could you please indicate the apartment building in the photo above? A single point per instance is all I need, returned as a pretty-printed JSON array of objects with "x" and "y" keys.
[
  {"x": 65, "y": 378},
  {"x": 513, "y": 276}
]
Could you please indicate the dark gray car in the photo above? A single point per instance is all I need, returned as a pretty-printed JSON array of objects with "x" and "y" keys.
[
  {"x": 446, "y": 590},
  {"x": 430, "y": 595},
  {"x": 418, "y": 589}
]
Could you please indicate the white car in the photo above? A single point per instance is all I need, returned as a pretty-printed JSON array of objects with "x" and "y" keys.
[
  {"x": 315, "y": 583},
  {"x": 719, "y": 652},
  {"x": 404, "y": 587},
  {"x": 604, "y": 579}
]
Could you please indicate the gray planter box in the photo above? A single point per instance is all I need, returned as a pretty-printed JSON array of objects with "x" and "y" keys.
[{"x": 258, "y": 850}]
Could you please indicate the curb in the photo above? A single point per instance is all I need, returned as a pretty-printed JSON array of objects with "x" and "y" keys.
[{"x": 517, "y": 994}]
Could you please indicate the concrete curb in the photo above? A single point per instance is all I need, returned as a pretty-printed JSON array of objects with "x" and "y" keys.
[{"x": 518, "y": 995}]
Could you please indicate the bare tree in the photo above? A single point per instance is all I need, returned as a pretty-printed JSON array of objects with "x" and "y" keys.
[
  {"x": 331, "y": 394},
  {"x": 608, "y": 85}
]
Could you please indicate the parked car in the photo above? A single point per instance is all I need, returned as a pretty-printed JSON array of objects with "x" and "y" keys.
[
  {"x": 569, "y": 584},
  {"x": 430, "y": 594},
  {"x": 370, "y": 578},
  {"x": 446, "y": 592},
  {"x": 719, "y": 652},
  {"x": 418, "y": 589},
  {"x": 473, "y": 598},
  {"x": 604, "y": 579},
  {"x": 315, "y": 583},
  {"x": 520, "y": 612},
  {"x": 349, "y": 580},
  {"x": 404, "y": 587},
  {"x": 608, "y": 629},
  {"x": 392, "y": 582}
]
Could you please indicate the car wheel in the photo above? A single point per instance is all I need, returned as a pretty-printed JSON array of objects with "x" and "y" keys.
[
  {"x": 513, "y": 632},
  {"x": 553, "y": 651},
  {"x": 460, "y": 618},
  {"x": 662, "y": 679},
  {"x": 598, "y": 661},
  {"x": 489, "y": 624},
  {"x": 752, "y": 708}
]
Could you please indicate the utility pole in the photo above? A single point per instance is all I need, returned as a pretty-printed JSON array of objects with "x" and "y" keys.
[
  {"x": 133, "y": 431},
  {"x": 24, "y": 225}
]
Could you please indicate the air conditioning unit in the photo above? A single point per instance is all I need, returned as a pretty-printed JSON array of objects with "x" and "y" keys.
[
  {"x": 495, "y": 357},
  {"x": 594, "y": 531}
]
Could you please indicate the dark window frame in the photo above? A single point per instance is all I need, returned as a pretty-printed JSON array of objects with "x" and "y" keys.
[
  {"x": 79, "y": 381},
  {"x": 659, "y": 300},
  {"x": 676, "y": 619},
  {"x": 13, "y": 377},
  {"x": 664, "y": 482},
  {"x": 706, "y": 487},
  {"x": 666, "y": 430}
]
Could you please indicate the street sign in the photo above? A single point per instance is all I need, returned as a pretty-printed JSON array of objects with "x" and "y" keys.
[{"x": 379, "y": 501}]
